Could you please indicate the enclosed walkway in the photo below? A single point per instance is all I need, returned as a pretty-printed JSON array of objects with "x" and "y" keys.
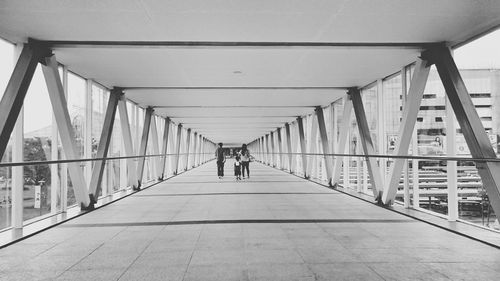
[{"x": 273, "y": 226}]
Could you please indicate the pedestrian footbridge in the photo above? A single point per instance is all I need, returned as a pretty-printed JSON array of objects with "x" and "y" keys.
[
  {"x": 273, "y": 226},
  {"x": 373, "y": 127}
]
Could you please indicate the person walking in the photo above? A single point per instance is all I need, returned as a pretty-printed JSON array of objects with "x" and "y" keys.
[
  {"x": 245, "y": 160},
  {"x": 221, "y": 159}
]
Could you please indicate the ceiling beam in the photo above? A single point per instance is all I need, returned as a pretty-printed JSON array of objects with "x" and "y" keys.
[
  {"x": 236, "y": 88},
  {"x": 237, "y": 44},
  {"x": 233, "y": 106}
]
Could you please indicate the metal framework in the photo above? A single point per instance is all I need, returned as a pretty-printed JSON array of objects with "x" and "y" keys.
[
  {"x": 470, "y": 123},
  {"x": 303, "y": 150},
  {"x": 325, "y": 144},
  {"x": 367, "y": 143},
  {"x": 60, "y": 108},
  {"x": 406, "y": 127},
  {"x": 143, "y": 146},
  {"x": 104, "y": 141},
  {"x": 178, "y": 148}
]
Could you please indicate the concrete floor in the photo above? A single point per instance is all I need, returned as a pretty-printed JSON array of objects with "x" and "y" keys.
[{"x": 273, "y": 226}]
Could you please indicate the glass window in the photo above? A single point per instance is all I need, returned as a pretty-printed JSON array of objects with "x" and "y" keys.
[
  {"x": 76, "y": 107},
  {"x": 37, "y": 147}
]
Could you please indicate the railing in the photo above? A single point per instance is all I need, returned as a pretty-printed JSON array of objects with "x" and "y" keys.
[
  {"x": 423, "y": 185},
  {"x": 48, "y": 191}
]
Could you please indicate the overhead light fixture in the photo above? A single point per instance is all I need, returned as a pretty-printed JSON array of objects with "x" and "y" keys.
[{"x": 237, "y": 72}]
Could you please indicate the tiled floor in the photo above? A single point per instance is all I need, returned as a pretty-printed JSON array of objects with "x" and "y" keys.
[{"x": 273, "y": 226}]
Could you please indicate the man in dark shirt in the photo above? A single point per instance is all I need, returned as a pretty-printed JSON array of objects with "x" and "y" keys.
[{"x": 221, "y": 159}]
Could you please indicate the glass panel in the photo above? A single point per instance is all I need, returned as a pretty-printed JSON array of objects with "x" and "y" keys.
[
  {"x": 393, "y": 108},
  {"x": 37, "y": 147},
  {"x": 479, "y": 66},
  {"x": 76, "y": 108}
]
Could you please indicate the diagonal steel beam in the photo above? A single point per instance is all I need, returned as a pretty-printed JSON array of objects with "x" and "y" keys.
[
  {"x": 127, "y": 141},
  {"x": 312, "y": 145},
  {"x": 325, "y": 143},
  {"x": 178, "y": 148},
  {"x": 156, "y": 147},
  {"x": 366, "y": 141},
  {"x": 188, "y": 145},
  {"x": 166, "y": 132},
  {"x": 289, "y": 146},
  {"x": 280, "y": 152},
  {"x": 60, "y": 108},
  {"x": 303, "y": 150},
  {"x": 470, "y": 123},
  {"x": 143, "y": 146},
  {"x": 343, "y": 135},
  {"x": 13, "y": 97},
  {"x": 102, "y": 150},
  {"x": 415, "y": 95}
]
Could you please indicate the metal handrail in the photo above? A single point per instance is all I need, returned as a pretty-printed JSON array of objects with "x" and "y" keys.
[
  {"x": 27, "y": 163},
  {"x": 440, "y": 158},
  {"x": 409, "y": 157}
]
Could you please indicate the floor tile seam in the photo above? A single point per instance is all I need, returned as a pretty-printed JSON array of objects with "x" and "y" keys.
[
  {"x": 243, "y": 221},
  {"x": 140, "y": 254},
  {"x": 79, "y": 261},
  {"x": 234, "y": 193},
  {"x": 192, "y": 254}
]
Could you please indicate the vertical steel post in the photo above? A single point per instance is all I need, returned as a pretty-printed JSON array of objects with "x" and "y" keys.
[{"x": 342, "y": 142}]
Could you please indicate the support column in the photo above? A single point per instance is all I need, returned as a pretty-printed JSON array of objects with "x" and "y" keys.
[
  {"x": 451, "y": 166},
  {"x": 178, "y": 148},
  {"x": 289, "y": 146},
  {"x": 60, "y": 107},
  {"x": 303, "y": 151},
  {"x": 366, "y": 140},
  {"x": 472, "y": 128},
  {"x": 17, "y": 186},
  {"x": 164, "y": 150},
  {"x": 325, "y": 144},
  {"x": 280, "y": 151},
  {"x": 144, "y": 144},
  {"x": 343, "y": 135},
  {"x": 102, "y": 150},
  {"x": 415, "y": 95},
  {"x": 188, "y": 145}
]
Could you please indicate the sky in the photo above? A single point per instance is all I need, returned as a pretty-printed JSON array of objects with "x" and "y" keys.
[{"x": 483, "y": 53}]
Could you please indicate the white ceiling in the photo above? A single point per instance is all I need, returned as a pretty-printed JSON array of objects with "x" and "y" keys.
[{"x": 228, "y": 112}]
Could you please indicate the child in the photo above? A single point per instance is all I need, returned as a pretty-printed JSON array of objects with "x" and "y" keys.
[{"x": 237, "y": 168}]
